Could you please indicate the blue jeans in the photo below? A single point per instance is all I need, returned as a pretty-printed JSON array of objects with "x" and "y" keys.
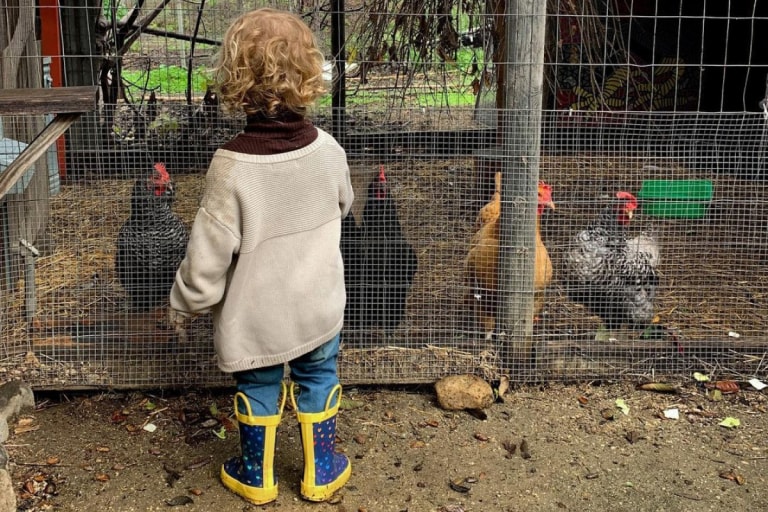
[{"x": 314, "y": 373}]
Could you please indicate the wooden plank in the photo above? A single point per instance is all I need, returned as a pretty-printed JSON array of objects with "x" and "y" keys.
[
  {"x": 35, "y": 150},
  {"x": 56, "y": 100}
]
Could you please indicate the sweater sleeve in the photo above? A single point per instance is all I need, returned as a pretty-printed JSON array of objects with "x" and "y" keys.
[
  {"x": 346, "y": 194},
  {"x": 202, "y": 277}
]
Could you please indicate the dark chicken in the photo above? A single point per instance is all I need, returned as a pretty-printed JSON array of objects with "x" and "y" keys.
[
  {"x": 151, "y": 244},
  {"x": 379, "y": 263},
  {"x": 612, "y": 275}
]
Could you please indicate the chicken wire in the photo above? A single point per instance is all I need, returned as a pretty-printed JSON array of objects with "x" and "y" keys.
[{"x": 636, "y": 93}]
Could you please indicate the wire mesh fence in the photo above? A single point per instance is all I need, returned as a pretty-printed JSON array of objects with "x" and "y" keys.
[{"x": 452, "y": 265}]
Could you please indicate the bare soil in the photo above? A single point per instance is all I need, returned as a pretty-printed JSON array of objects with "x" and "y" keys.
[{"x": 554, "y": 447}]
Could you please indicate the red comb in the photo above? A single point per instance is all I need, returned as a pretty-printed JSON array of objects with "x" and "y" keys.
[
  {"x": 382, "y": 176},
  {"x": 625, "y": 196},
  {"x": 160, "y": 168}
]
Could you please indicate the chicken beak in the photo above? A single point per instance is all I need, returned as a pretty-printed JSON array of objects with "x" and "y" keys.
[
  {"x": 630, "y": 214},
  {"x": 550, "y": 204}
]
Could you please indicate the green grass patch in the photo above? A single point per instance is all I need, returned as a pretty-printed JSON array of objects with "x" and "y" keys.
[{"x": 165, "y": 80}]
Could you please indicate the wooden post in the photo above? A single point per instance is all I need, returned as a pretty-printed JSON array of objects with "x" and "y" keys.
[{"x": 520, "y": 137}]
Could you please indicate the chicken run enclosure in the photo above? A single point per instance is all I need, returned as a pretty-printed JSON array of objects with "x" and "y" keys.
[{"x": 442, "y": 105}]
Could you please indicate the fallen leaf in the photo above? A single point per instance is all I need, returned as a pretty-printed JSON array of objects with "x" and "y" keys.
[
  {"x": 179, "y": 500},
  {"x": 458, "y": 487},
  {"x": 52, "y": 460},
  {"x": 25, "y": 429},
  {"x": 733, "y": 476},
  {"x": 583, "y": 400},
  {"x": 632, "y": 437},
  {"x": 622, "y": 406},
  {"x": 221, "y": 433},
  {"x": 195, "y": 491},
  {"x": 418, "y": 444},
  {"x": 730, "y": 422},
  {"x": 510, "y": 447},
  {"x": 349, "y": 404},
  {"x": 360, "y": 438},
  {"x": 503, "y": 386},
  {"x": 658, "y": 387},
  {"x": 524, "y": 453},
  {"x": 150, "y": 427},
  {"x": 726, "y": 386},
  {"x": 102, "y": 449},
  {"x": 700, "y": 377},
  {"x": 717, "y": 395},
  {"x": 102, "y": 477},
  {"x": 432, "y": 423}
]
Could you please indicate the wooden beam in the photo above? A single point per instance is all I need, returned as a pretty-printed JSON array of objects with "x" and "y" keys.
[
  {"x": 35, "y": 150},
  {"x": 56, "y": 100}
]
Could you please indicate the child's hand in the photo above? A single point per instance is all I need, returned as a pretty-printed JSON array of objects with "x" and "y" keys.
[{"x": 178, "y": 320}]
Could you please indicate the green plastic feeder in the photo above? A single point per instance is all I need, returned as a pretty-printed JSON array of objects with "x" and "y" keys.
[{"x": 677, "y": 199}]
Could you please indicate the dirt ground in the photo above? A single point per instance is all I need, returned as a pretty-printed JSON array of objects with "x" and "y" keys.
[{"x": 553, "y": 447}]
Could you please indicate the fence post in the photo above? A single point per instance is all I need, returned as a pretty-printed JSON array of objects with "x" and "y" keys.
[{"x": 520, "y": 137}]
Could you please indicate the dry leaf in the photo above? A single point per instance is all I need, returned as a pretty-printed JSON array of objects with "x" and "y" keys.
[
  {"x": 52, "y": 460},
  {"x": 101, "y": 477},
  {"x": 583, "y": 400},
  {"x": 733, "y": 476},
  {"x": 25, "y": 429},
  {"x": 418, "y": 444},
  {"x": 727, "y": 386},
  {"x": 503, "y": 386},
  {"x": 102, "y": 449},
  {"x": 458, "y": 487},
  {"x": 658, "y": 387},
  {"x": 524, "y": 453},
  {"x": 481, "y": 437},
  {"x": 195, "y": 491}
]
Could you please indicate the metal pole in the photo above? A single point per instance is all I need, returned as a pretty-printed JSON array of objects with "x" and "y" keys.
[
  {"x": 520, "y": 143},
  {"x": 338, "y": 53}
]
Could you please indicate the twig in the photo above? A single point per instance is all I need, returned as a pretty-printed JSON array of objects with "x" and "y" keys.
[
  {"x": 58, "y": 464},
  {"x": 687, "y": 496}
]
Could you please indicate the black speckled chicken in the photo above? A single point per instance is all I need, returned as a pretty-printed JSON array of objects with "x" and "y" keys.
[
  {"x": 152, "y": 243},
  {"x": 614, "y": 276}
]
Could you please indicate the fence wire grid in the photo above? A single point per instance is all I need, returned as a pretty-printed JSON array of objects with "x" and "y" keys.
[{"x": 469, "y": 270}]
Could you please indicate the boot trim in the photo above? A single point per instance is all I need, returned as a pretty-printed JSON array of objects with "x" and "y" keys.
[{"x": 255, "y": 495}]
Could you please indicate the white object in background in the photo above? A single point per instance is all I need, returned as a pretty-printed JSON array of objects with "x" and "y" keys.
[{"x": 328, "y": 69}]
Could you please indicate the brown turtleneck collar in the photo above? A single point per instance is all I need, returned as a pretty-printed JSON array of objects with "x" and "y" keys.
[{"x": 273, "y": 135}]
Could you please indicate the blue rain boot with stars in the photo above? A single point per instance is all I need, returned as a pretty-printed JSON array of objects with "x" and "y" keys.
[
  {"x": 325, "y": 471},
  {"x": 252, "y": 475}
]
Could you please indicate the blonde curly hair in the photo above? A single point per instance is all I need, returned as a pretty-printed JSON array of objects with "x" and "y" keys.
[{"x": 269, "y": 62}]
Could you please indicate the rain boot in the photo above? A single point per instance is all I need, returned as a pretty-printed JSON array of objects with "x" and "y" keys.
[
  {"x": 325, "y": 471},
  {"x": 252, "y": 475}
]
